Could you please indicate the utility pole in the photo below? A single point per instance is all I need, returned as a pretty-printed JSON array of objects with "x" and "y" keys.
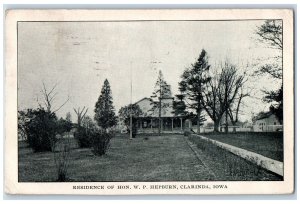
[
  {"x": 130, "y": 137},
  {"x": 159, "y": 108}
]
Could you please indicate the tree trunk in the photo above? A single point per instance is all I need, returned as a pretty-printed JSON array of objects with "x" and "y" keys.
[
  {"x": 198, "y": 121},
  {"x": 226, "y": 122},
  {"x": 234, "y": 128},
  {"x": 216, "y": 126}
]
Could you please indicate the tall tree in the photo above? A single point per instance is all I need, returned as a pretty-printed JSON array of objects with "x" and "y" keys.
[
  {"x": 192, "y": 85},
  {"x": 221, "y": 92},
  {"x": 161, "y": 90},
  {"x": 104, "y": 109},
  {"x": 270, "y": 33}
]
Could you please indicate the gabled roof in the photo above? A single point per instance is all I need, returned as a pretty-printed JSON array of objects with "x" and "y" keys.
[
  {"x": 264, "y": 115},
  {"x": 143, "y": 99}
]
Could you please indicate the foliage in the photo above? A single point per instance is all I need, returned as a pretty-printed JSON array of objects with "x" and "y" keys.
[
  {"x": 270, "y": 33},
  {"x": 88, "y": 123},
  {"x": 277, "y": 107},
  {"x": 85, "y": 132},
  {"x": 101, "y": 142},
  {"x": 179, "y": 106},
  {"x": 63, "y": 126},
  {"x": 104, "y": 109},
  {"x": 126, "y": 111},
  {"x": 41, "y": 129},
  {"x": 83, "y": 137},
  {"x": 193, "y": 82},
  {"x": 161, "y": 90},
  {"x": 23, "y": 116}
]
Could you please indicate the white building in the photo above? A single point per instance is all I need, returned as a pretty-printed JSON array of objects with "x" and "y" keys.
[{"x": 267, "y": 122}]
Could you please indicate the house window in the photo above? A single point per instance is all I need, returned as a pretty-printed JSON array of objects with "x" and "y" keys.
[{"x": 274, "y": 123}]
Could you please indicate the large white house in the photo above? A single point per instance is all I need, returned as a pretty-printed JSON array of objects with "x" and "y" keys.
[{"x": 149, "y": 119}]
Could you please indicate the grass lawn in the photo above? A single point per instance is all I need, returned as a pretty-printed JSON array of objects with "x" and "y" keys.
[
  {"x": 161, "y": 158},
  {"x": 266, "y": 144},
  {"x": 227, "y": 166}
]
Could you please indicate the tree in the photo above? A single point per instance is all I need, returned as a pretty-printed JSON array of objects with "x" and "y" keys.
[
  {"x": 277, "y": 107},
  {"x": 22, "y": 118},
  {"x": 126, "y": 111},
  {"x": 104, "y": 109},
  {"x": 161, "y": 90},
  {"x": 63, "y": 126},
  {"x": 88, "y": 123},
  {"x": 221, "y": 92},
  {"x": 69, "y": 117},
  {"x": 179, "y": 106},
  {"x": 234, "y": 109},
  {"x": 192, "y": 85},
  {"x": 41, "y": 129},
  {"x": 270, "y": 33},
  {"x": 80, "y": 115},
  {"x": 49, "y": 97}
]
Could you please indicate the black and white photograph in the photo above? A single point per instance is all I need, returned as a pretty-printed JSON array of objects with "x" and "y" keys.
[{"x": 153, "y": 101}]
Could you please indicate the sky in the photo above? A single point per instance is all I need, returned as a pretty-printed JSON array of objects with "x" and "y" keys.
[{"x": 79, "y": 56}]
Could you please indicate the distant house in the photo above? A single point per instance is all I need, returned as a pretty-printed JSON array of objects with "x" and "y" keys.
[
  {"x": 238, "y": 126},
  {"x": 266, "y": 122}
]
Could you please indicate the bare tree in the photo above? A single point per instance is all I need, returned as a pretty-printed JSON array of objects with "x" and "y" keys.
[
  {"x": 80, "y": 114},
  {"x": 49, "y": 97},
  {"x": 234, "y": 110},
  {"x": 221, "y": 92}
]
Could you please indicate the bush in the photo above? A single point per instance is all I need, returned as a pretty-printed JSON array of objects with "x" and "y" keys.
[
  {"x": 84, "y": 137},
  {"x": 62, "y": 159},
  {"x": 101, "y": 142},
  {"x": 41, "y": 129},
  {"x": 63, "y": 126}
]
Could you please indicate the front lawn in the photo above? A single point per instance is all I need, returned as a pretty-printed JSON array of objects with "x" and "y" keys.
[{"x": 161, "y": 158}]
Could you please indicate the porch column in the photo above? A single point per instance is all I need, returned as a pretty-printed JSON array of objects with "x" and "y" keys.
[
  {"x": 172, "y": 125},
  {"x": 181, "y": 123},
  {"x": 151, "y": 124}
]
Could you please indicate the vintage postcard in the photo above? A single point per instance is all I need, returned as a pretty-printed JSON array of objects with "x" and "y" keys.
[{"x": 128, "y": 102}]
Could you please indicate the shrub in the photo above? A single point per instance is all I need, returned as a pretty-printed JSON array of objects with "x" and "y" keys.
[
  {"x": 41, "y": 130},
  {"x": 84, "y": 137},
  {"x": 101, "y": 142},
  {"x": 62, "y": 159},
  {"x": 63, "y": 126}
]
